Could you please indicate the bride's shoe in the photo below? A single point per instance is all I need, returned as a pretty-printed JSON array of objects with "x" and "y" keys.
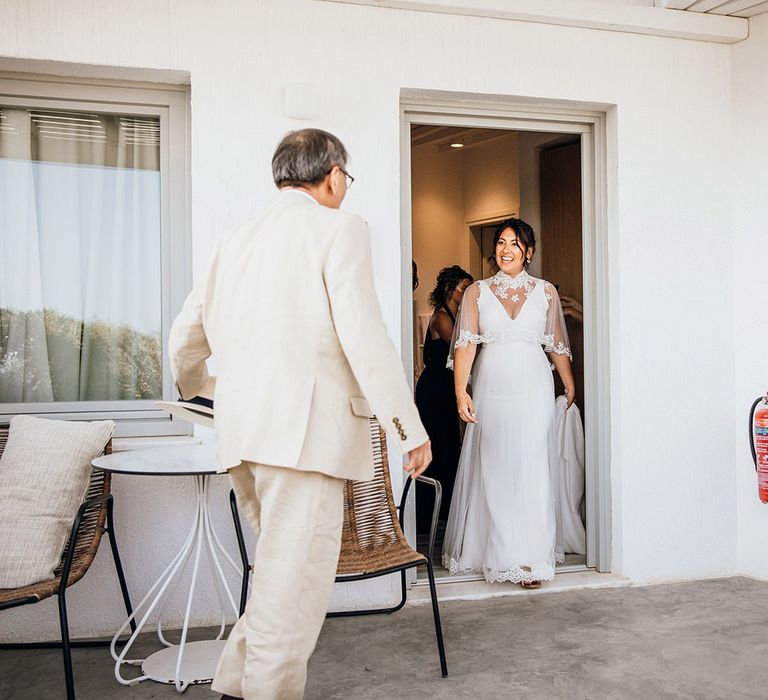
[{"x": 530, "y": 584}]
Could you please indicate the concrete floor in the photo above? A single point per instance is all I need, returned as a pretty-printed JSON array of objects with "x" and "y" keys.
[{"x": 699, "y": 640}]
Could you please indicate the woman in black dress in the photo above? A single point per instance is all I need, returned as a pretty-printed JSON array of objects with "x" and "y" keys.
[{"x": 435, "y": 396}]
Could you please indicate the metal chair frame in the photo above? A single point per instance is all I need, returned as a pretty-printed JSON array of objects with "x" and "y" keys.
[
  {"x": 384, "y": 572},
  {"x": 103, "y": 501}
]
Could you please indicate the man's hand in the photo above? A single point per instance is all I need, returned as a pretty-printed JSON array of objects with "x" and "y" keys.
[{"x": 419, "y": 459}]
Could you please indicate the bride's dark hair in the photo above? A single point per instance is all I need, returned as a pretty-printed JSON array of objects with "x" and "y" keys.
[
  {"x": 447, "y": 280},
  {"x": 524, "y": 233}
]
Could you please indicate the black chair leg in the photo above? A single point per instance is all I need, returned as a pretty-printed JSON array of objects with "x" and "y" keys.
[
  {"x": 65, "y": 648},
  {"x": 436, "y": 614},
  {"x": 403, "y": 591},
  {"x": 374, "y": 611},
  {"x": 118, "y": 564},
  {"x": 243, "y": 551}
]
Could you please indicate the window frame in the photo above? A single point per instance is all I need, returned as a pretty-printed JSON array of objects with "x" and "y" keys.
[{"x": 169, "y": 103}]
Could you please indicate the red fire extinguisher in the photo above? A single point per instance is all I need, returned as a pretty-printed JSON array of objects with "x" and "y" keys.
[{"x": 758, "y": 442}]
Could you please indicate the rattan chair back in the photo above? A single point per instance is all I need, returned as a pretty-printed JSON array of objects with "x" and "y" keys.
[
  {"x": 372, "y": 539},
  {"x": 87, "y": 543}
]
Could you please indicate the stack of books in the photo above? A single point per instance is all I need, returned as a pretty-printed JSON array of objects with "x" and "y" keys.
[{"x": 198, "y": 410}]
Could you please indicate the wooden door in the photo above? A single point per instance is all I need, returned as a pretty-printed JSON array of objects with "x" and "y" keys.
[
  {"x": 561, "y": 240},
  {"x": 487, "y": 234}
]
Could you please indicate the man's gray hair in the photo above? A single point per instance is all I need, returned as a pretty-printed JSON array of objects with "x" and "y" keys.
[{"x": 305, "y": 157}]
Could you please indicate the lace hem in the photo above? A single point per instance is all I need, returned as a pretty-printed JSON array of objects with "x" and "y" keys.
[
  {"x": 538, "y": 572},
  {"x": 548, "y": 341},
  {"x": 466, "y": 337}
]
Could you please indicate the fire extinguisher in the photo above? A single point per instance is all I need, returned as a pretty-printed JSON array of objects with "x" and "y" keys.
[{"x": 758, "y": 443}]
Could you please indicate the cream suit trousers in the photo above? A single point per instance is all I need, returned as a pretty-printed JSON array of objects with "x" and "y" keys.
[{"x": 298, "y": 518}]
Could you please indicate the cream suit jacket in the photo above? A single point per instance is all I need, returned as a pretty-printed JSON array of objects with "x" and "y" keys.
[{"x": 289, "y": 311}]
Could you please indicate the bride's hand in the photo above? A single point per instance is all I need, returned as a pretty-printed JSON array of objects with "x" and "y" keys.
[
  {"x": 570, "y": 394},
  {"x": 466, "y": 407}
]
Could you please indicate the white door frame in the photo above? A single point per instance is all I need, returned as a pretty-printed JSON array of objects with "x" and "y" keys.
[{"x": 541, "y": 116}]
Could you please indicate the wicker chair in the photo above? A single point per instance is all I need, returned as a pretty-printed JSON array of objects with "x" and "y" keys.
[
  {"x": 94, "y": 517},
  {"x": 372, "y": 540}
]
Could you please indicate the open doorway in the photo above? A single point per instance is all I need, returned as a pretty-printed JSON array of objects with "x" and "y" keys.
[{"x": 465, "y": 180}]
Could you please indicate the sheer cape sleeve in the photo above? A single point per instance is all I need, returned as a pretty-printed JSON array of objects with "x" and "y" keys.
[
  {"x": 466, "y": 330},
  {"x": 555, "y": 333}
]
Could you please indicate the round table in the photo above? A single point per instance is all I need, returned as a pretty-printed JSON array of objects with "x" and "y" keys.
[{"x": 188, "y": 662}]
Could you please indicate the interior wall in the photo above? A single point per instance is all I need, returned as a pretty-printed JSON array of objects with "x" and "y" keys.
[
  {"x": 492, "y": 179},
  {"x": 749, "y": 372},
  {"x": 672, "y": 484},
  {"x": 439, "y": 238},
  {"x": 450, "y": 189}
]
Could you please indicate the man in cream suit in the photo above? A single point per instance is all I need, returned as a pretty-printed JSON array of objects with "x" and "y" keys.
[{"x": 289, "y": 311}]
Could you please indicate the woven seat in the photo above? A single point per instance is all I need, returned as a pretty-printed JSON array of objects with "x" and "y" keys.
[
  {"x": 372, "y": 540},
  {"x": 93, "y": 518}
]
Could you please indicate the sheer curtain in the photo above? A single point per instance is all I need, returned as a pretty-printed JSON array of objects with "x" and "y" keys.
[{"x": 80, "y": 256}]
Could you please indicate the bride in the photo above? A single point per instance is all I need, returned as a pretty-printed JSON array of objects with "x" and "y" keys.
[{"x": 502, "y": 521}]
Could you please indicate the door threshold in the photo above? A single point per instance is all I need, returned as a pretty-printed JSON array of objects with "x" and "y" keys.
[
  {"x": 478, "y": 589},
  {"x": 446, "y": 578}
]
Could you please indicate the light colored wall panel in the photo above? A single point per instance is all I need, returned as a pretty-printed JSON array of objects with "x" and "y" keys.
[
  {"x": 438, "y": 216},
  {"x": 749, "y": 247},
  {"x": 491, "y": 179},
  {"x": 670, "y": 225}
]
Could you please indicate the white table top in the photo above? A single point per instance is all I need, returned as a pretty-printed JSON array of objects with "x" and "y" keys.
[{"x": 177, "y": 460}]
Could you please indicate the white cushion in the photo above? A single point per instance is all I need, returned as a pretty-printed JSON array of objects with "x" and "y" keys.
[{"x": 44, "y": 475}]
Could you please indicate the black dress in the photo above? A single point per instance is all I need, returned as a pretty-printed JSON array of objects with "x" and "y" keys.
[{"x": 436, "y": 401}]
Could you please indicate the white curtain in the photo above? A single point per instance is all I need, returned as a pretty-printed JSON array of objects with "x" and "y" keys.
[{"x": 80, "y": 275}]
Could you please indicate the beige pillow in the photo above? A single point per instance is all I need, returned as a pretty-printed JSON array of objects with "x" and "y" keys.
[{"x": 44, "y": 475}]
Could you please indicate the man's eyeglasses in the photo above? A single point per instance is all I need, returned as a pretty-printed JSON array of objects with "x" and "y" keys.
[{"x": 349, "y": 179}]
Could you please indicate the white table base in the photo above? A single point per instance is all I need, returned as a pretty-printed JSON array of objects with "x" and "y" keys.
[
  {"x": 188, "y": 662},
  {"x": 199, "y": 665}
]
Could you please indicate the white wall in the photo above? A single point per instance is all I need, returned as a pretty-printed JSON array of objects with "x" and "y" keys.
[
  {"x": 439, "y": 234},
  {"x": 673, "y": 469},
  {"x": 492, "y": 179},
  {"x": 750, "y": 249}
]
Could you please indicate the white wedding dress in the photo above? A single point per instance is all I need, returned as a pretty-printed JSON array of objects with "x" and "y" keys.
[{"x": 502, "y": 518}]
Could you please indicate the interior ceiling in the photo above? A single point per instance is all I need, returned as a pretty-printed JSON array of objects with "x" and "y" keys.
[
  {"x": 733, "y": 8},
  {"x": 441, "y": 137},
  {"x": 444, "y": 136}
]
